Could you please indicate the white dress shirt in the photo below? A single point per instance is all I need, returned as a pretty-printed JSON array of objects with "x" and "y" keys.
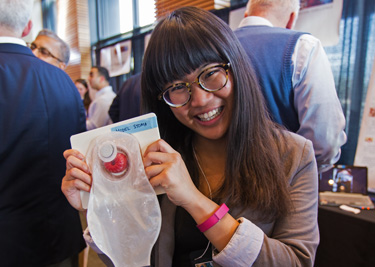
[
  {"x": 12, "y": 40},
  {"x": 98, "y": 110}
]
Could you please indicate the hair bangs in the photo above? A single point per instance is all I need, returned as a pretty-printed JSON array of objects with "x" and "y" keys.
[{"x": 188, "y": 50}]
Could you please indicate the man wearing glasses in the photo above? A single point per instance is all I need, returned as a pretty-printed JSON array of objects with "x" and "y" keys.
[{"x": 51, "y": 48}]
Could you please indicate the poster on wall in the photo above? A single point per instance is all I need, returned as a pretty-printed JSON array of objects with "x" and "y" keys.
[
  {"x": 365, "y": 153},
  {"x": 116, "y": 58},
  {"x": 321, "y": 18}
]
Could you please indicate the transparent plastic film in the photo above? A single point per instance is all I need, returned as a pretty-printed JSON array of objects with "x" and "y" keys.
[{"x": 123, "y": 211}]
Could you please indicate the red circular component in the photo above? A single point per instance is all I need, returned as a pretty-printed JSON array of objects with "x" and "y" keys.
[{"x": 118, "y": 165}]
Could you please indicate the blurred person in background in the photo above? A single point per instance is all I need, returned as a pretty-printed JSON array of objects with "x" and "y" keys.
[
  {"x": 98, "y": 111},
  {"x": 51, "y": 48},
  {"x": 127, "y": 103},
  {"x": 295, "y": 76},
  {"x": 83, "y": 90}
]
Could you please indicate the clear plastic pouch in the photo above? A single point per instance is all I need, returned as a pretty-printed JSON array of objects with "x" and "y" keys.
[{"x": 123, "y": 213}]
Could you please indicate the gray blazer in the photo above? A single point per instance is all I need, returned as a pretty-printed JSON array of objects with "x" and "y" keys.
[{"x": 290, "y": 241}]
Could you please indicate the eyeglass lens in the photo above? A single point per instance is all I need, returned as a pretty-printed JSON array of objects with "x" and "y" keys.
[
  {"x": 211, "y": 79},
  {"x": 44, "y": 51}
]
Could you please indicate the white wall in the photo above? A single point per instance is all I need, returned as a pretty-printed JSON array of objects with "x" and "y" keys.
[{"x": 37, "y": 21}]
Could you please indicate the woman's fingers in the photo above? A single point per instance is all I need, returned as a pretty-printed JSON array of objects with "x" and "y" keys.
[
  {"x": 72, "y": 152},
  {"x": 158, "y": 152},
  {"x": 72, "y": 193},
  {"x": 165, "y": 167},
  {"x": 161, "y": 162},
  {"x": 160, "y": 146},
  {"x": 156, "y": 177},
  {"x": 73, "y": 162},
  {"x": 77, "y": 177}
]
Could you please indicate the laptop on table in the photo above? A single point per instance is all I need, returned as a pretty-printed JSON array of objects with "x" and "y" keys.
[{"x": 345, "y": 185}]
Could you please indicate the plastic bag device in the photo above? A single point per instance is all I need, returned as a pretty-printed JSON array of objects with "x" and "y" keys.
[{"x": 123, "y": 213}]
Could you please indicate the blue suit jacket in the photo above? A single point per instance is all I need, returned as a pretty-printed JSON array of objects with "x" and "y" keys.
[{"x": 40, "y": 109}]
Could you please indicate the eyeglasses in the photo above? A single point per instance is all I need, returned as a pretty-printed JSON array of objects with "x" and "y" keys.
[
  {"x": 211, "y": 79},
  {"x": 42, "y": 50}
]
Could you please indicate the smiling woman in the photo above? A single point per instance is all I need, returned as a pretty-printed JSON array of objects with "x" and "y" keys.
[
  {"x": 233, "y": 152},
  {"x": 249, "y": 186}
]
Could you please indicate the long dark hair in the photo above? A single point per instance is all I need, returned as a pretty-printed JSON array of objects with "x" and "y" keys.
[
  {"x": 181, "y": 43},
  {"x": 86, "y": 98}
]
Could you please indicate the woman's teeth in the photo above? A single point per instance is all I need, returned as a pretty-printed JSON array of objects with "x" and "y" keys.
[{"x": 210, "y": 115}]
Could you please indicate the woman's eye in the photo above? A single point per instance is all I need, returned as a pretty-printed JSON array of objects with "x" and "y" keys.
[
  {"x": 210, "y": 73},
  {"x": 178, "y": 88}
]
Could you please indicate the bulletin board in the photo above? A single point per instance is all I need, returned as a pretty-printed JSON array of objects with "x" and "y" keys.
[{"x": 365, "y": 153}]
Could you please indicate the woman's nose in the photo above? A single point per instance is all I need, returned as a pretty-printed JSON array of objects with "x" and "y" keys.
[{"x": 199, "y": 96}]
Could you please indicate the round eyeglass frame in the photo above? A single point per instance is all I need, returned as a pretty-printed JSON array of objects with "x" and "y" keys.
[{"x": 161, "y": 96}]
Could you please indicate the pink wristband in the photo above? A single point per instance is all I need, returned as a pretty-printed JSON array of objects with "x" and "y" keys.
[{"x": 219, "y": 213}]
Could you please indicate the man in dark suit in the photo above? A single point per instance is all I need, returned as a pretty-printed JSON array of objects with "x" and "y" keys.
[
  {"x": 40, "y": 109},
  {"x": 127, "y": 103}
]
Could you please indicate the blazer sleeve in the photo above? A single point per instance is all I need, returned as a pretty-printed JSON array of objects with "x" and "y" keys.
[{"x": 294, "y": 239}]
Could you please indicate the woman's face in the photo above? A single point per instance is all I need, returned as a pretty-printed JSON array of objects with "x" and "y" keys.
[
  {"x": 207, "y": 113},
  {"x": 81, "y": 89}
]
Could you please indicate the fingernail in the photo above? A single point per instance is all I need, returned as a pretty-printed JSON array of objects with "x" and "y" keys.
[{"x": 81, "y": 157}]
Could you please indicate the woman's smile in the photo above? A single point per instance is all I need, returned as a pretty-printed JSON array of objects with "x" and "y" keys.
[{"x": 212, "y": 114}]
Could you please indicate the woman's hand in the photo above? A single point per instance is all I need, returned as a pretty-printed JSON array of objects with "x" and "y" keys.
[
  {"x": 164, "y": 166},
  {"x": 77, "y": 177}
]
